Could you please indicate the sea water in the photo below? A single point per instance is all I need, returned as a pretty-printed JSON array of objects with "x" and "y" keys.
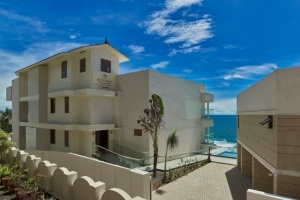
[{"x": 223, "y": 135}]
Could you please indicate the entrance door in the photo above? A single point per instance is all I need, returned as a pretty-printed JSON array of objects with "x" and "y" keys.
[{"x": 102, "y": 138}]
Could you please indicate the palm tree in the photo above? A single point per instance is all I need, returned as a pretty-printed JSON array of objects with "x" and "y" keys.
[
  {"x": 152, "y": 122},
  {"x": 4, "y": 120},
  {"x": 172, "y": 143}
]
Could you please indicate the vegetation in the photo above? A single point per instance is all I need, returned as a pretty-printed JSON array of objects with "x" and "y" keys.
[
  {"x": 172, "y": 142},
  {"x": 5, "y": 143},
  {"x": 152, "y": 122},
  {"x": 4, "y": 120}
]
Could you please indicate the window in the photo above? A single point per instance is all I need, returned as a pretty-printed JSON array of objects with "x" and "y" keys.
[
  {"x": 138, "y": 132},
  {"x": 238, "y": 121},
  {"x": 52, "y": 136},
  {"x": 52, "y": 105},
  {"x": 64, "y": 70},
  {"x": 66, "y": 138},
  {"x": 105, "y": 65},
  {"x": 82, "y": 65},
  {"x": 66, "y": 104}
]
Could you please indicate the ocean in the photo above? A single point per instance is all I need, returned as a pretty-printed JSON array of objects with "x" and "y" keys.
[{"x": 223, "y": 135}]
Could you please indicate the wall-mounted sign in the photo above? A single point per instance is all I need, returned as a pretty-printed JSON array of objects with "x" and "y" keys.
[{"x": 104, "y": 80}]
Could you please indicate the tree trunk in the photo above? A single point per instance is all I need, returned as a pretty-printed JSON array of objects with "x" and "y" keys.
[
  {"x": 155, "y": 151},
  {"x": 165, "y": 171}
]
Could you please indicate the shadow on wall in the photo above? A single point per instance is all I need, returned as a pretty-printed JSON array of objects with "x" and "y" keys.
[{"x": 238, "y": 184}]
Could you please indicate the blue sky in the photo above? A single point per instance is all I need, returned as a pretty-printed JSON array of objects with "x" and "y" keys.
[{"x": 226, "y": 45}]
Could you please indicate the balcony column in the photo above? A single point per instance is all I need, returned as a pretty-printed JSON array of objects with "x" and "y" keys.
[{"x": 207, "y": 109}]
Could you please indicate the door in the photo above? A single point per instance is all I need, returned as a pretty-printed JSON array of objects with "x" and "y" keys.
[{"x": 102, "y": 138}]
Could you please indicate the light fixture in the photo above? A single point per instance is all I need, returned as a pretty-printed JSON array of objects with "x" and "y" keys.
[{"x": 269, "y": 120}]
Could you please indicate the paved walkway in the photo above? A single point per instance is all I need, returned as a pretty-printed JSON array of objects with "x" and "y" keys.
[{"x": 214, "y": 181}]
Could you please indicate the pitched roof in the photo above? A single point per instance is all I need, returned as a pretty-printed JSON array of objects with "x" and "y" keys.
[{"x": 122, "y": 57}]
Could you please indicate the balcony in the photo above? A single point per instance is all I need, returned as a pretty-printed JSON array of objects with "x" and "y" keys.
[
  {"x": 207, "y": 97},
  {"x": 82, "y": 92},
  {"x": 9, "y": 93},
  {"x": 207, "y": 118}
]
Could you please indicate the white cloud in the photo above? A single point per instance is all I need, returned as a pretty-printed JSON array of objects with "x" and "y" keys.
[
  {"x": 224, "y": 84},
  {"x": 187, "y": 33},
  {"x": 232, "y": 46},
  {"x": 184, "y": 51},
  {"x": 162, "y": 64},
  {"x": 40, "y": 26},
  {"x": 187, "y": 70},
  {"x": 136, "y": 49},
  {"x": 247, "y": 72},
  {"x": 174, "y": 5},
  {"x": 224, "y": 106},
  {"x": 72, "y": 37},
  {"x": 11, "y": 62}
]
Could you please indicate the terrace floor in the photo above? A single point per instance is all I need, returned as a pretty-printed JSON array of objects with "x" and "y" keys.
[{"x": 214, "y": 181}]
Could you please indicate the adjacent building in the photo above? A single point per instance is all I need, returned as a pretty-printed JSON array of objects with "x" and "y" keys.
[
  {"x": 268, "y": 133},
  {"x": 75, "y": 99}
]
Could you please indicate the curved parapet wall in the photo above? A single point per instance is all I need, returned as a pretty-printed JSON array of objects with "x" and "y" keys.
[{"x": 66, "y": 185}]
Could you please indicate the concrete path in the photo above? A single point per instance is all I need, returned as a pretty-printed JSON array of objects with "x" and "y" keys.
[{"x": 214, "y": 181}]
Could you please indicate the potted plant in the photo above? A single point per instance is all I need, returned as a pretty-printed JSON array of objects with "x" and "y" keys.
[
  {"x": 5, "y": 144},
  {"x": 27, "y": 189},
  {"x": 42, "y": 184},
  {"x": 4, "y": 173}
]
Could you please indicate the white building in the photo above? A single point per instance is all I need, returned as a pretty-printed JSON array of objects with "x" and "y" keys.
[
  {"x": 268, "y": 133},
  {"x": 73, "y": 99}
]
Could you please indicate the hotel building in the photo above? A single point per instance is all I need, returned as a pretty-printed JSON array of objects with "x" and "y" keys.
[
  {"x": 75, "y": 99},
  {"x": 268, "y": 133}
]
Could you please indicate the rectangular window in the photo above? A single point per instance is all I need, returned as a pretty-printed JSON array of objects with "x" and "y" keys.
[
  {"x": 138, "y": 132},
  {"x": 66, "y": 138},
  {"x": 105, "y": 65},
  {"x": 66, "y": 104},
  {"x": 52, "y": 136},
  {"x": 64, "y": 70},
  {"x": 52, "y": 105},
  {"x": 238, "y": 121},
  {"x": 82, "y": 65}
]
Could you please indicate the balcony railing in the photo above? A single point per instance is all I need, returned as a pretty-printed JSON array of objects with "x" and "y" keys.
[
  {"x": 115, "y": 158},
  {"x": 207, "y": 113},
  {"x": 127, "y": 151}
]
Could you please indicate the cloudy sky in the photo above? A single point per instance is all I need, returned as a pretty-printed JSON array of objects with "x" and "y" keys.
[{"x": 226, "y": 45}]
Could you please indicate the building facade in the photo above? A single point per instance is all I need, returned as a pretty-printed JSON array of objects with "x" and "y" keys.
[
  {"x": 72, "y": 100},
  {"x": 268, "y": 133}
]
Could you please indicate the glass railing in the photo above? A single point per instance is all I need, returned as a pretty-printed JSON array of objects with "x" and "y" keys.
[
  {"x": 127, "y": 151},
  {"x": 222, "y": 151},
  {"x": 115, "y": 158},
  {"x": 207, "y": 113}
]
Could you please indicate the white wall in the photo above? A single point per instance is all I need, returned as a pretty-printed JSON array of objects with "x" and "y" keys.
[
  {"x": 275, "y": 93},
  {"x": 134, "y": 99},
  {"x": 15, "y": 111},
  {"x": 101, "y": 110},
  {"x": 75, "y": 79},
  {"x": 182, "y": 102},
  {"x": 259, "y": 97}
]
